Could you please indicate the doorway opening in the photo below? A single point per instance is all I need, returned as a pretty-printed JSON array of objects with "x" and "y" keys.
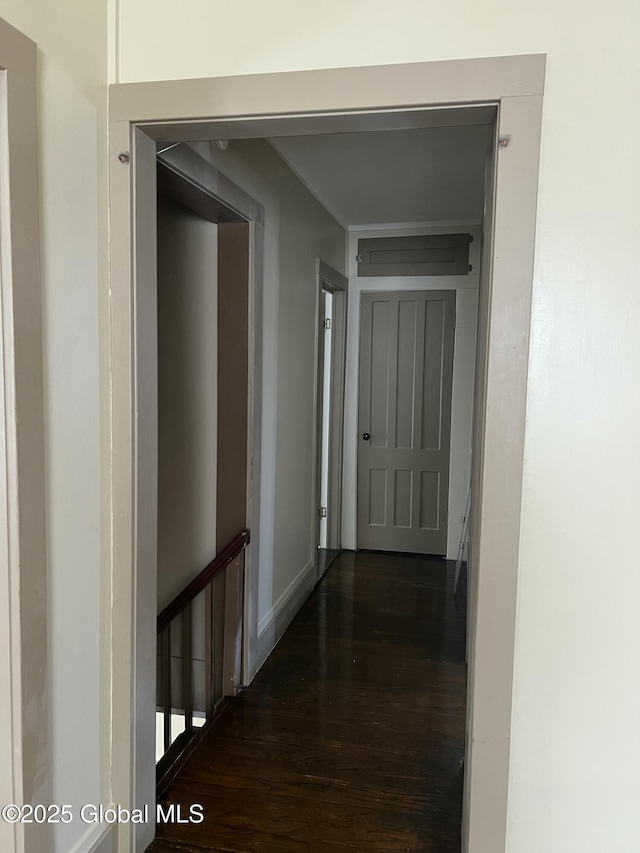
[
  {"x": 202, "y": 485},
  {"x": 407, "y": 280},
  {"x": 330, "y": 374},
  {"x": 343, "y": 100},
  {"x": 325, "y": 372}
]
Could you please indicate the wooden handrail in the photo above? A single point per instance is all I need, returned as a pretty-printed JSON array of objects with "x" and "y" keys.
[{"x": 195, "y": 587}]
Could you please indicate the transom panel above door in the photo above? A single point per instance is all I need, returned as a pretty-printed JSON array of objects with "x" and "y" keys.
[{"x": 404, "y": 420}]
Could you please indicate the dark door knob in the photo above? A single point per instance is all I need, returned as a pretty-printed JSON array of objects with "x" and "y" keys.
[{"x": 365, "y": 436}]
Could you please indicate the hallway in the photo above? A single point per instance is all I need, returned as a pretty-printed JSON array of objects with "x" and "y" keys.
[{"x": 351, "y": 737}]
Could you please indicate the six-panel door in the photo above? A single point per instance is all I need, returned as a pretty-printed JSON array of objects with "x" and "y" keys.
[{"x": 404, "y": 416}]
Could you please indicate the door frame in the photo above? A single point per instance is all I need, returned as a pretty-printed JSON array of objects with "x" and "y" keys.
[
  {"x": 293, "y": 103},
  {"x": 331, "y": 281},
  {"x": 24, "y": 724}
]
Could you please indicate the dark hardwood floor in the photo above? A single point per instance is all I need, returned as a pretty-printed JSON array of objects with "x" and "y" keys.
[{"x": 351, "y": 737}]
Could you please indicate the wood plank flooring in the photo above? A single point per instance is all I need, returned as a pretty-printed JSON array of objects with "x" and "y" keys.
[{"x": 351, "y": 737}]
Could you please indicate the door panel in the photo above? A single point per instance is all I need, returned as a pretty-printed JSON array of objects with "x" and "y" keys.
[
  {"x": 379, "y": 402},
  {"x": 406, "y": 373}
]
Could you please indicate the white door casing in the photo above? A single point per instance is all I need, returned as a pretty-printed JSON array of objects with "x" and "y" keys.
[{"x": 329, "y": 280}]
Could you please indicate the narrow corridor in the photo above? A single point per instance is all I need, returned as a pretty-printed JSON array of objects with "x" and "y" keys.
[{"x": 351, "y": 737}]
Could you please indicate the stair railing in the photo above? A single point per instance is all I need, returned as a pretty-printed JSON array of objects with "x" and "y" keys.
[{"x": 213, "y": 673}]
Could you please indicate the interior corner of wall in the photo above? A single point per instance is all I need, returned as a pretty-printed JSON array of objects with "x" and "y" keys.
[{"x": 113, "y": 41}]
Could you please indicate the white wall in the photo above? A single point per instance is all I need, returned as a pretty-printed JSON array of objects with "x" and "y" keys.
[
  {"x": 187, "y": 395},
  {"x": 575, "y": 780},
  {"x": 464, "y": 363},
  {"x": 297, "y": 231},
  {"x": 72, "y": 73}
]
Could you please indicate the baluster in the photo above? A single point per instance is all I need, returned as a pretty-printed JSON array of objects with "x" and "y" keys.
[
  {"x": 166, "y": 684},
  {"x": 208, "y": 650},
  {"x": 187, "y": 668}
]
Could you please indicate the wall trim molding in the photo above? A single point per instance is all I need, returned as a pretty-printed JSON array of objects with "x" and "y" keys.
[
  {"x": 277, "y": 606},
  {"x": 408, "y": 226},
  {"x": 276, "y": 621},
  {"x": 97, "y": 839}
]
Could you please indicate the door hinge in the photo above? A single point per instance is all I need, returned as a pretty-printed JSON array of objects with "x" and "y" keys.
[
  {"x": 326, "y": 324},
  {"x": 358, "y": 259},
  {"x": 322, "y": 512}
]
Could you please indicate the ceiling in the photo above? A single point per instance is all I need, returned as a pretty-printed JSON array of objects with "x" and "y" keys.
[{"x": 428, "y": 174}]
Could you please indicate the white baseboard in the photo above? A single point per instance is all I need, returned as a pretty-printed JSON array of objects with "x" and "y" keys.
[
  {"x": 274, "y": 623},
  {"x": 284, "y": 600},
  {"x": 97, "y": 839}
]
